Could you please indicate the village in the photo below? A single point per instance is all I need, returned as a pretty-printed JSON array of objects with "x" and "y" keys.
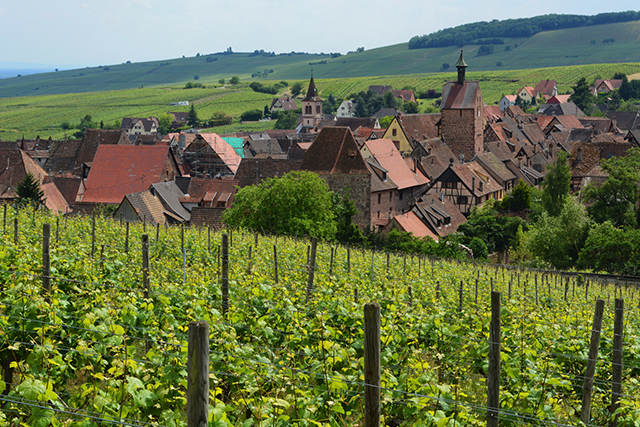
[{"x": 423, "y": 174}]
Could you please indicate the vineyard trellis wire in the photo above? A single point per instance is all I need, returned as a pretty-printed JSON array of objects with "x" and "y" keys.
[{"x": 276, "y": 358}]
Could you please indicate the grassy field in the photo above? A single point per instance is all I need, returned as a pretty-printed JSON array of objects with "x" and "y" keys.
[
  {"x": 30, "y": 116},
  {"x": 576, "y": 46}
]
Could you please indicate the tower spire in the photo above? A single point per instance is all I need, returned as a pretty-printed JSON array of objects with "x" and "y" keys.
[{"x": 461, "y": 66}]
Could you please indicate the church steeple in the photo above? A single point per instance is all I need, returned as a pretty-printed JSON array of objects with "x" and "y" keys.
[
  {"x": 311, "y": 107},
  {"x": 312, "y": 92},
  {"x": 461, "y": 66}
]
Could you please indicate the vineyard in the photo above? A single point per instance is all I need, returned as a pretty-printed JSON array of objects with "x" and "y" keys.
[
  {"x": 31, "y": 116},
  {"x": 99, "y": 340}
]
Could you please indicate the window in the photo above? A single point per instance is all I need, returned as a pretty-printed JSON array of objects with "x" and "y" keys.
[
  {"x": 390, "y": 196},
  {"x": 462, "y": 200},
  {"x": 379, "y": 199},
  {"x": 307, "y": 109},
  {"x": 447, "y": 221},
  {"x": 400, "y": 194},
  {"x": 449, "y": 184},
  {"x": 318, "y": 111},
  {"x": 394, "y": 132}
]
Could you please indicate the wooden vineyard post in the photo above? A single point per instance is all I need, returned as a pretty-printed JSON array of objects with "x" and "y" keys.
[
  {"x": 438, "y": 291},
  {"x": 616, "y": 380},
  {"x": 157, "y": 233},
  {"x": 231, "y": 238},
  {"x": 126, "y": 238},
  {"x": 15, "y": 230},
  {"x": 57, "y": 229},
  {"x": 275, "y": 264},
  {"x": 404, "y": 267},
  {"x": 476, "y": 291},
  {"x": 461, "y": 295},
  {"x": 46, "y": 261},
  {"x": 209, "y": 239},
  {"x": 493, "y": 377},
  {"x": 536, "y": 279},
  {"x": 144, "y": 223},
  {"x": 145, "y": 265},
  {"x": 410, "y": 296},
  {"x": 355, "y": 295},
  {"x": 312, "y": 267},
  {"x": 331, "y": 262},
  {"x": 348, "y": 259},
  {"x": 4, "y": 220},
  {"x": 372, "y": 365},
  {"x": 249, "y": 262},
  {"x": 585, "y": 414},
  {"x": 198, "y": 375},
  {"x": 93, "y": 235},
  {"x": 225, "y": 275},
  {"x": 388, "y": 260},
  {"x": 373, "y": 255}
]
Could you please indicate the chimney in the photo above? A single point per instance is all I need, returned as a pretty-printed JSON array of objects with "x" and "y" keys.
[
  {"x": 415, "y": 165},
  {"x": 473, "y": 185},
  {"x": 551, "y": 149},
  {"x": 579, "y": 155},
  {"x": 182, "y": 140},
  {"x": 442, "y": 197}
]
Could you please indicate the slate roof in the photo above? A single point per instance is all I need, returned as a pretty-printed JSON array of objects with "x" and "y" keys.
[
  {"x": 433, "y": 209},
  {"x": 384, "y": 112},
  {"x": 354, "y": 123},
  {"x": 495, "y": 167},
  {"x": 169, "y": 194},
  {"x": 455, "y": 96},
  {"x": 253, "y": 148},
  {"x": 118, "y": 170},
  {"x": 565, "y": 109},
  {"x": 334, "y": 151},
  {"x": 533, "y": 133},
  {"x": 389, "y": 158},
  {"x": 626, "y": 120},
  {"x": 312, "y": 92},
  {"x": 598, "y": 124}
]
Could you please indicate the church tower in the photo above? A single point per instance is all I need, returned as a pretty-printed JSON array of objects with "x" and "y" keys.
[
  {"x": 311, "y": 107},
  {"x": 462, "y": 116}
]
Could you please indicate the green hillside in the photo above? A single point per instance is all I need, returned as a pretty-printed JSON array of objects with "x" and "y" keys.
[
  {"x": 32, "y": 116},
  {"x": 574, "y": 46}
]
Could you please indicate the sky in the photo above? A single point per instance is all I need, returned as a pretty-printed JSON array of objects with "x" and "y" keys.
[{"x": 78, "y": 33}]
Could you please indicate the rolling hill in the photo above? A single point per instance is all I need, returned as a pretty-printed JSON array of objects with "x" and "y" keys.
[{"x": 574, "y": 46}]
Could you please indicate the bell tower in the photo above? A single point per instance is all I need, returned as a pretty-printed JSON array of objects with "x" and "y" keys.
[{"x": 311, "y": 107}]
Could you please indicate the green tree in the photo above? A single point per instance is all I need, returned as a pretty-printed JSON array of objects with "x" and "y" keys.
[
  {"x": 345, "y": 210},
  {"x": 518, "y": 199},
  {"x": 615, "y": 102},
  {"x": 234, "y": 80},
  {"x": 297, "y": 203},
  {"x": 611, "y": 249},
  {"x": 385, "y": 121},
  {"x": 582, "y": 96},
  {"x": 497, "y": 231},
  {"x": 296, "y": 89},
  {"x": 556, "y": 185},
  {"x": 389, "y": 101},
  {"x": 479, "y": 248},
  {"x": 164, "y": 123},
  {"x": 221, "y": 81},
  {"x": 557, "y": 240},
  {"x": 192, "y": 118},
  {"x": 220, "y": 118},
  {"x": 29, "y": 191},
  {"x": 411, "y": 107},
  {"x": 251, "y": 115},
  {"x": 616, "y": 199},
  {"x": 286, "y": 120}
]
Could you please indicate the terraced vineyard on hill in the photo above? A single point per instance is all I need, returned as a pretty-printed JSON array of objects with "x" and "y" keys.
[{"x": 101, "y": 349}]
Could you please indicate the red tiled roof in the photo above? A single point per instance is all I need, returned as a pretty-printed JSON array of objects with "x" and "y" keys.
[
  {"x": 334, "y": 151},
  {"x": 118, "y": 170},
  {"x": 460, "y": 96},
  {"x": 410, "y": 223},
  {"x": 390, "y": 158}
]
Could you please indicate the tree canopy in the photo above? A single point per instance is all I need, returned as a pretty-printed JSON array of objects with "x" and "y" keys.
[
  {"x": 192, "y": 118},
  {"x": 556, "y": 185},
  {"x": 29, "y": 191},
  {"x": 299, "y": 203},
  {"x": 582, "y": 96}
]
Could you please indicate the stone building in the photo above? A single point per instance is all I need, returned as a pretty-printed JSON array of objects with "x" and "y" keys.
[
  {"x": 311, "y": 109},
  {"x": 462, "y": 121},
  {"x": 334, "y": 155}
]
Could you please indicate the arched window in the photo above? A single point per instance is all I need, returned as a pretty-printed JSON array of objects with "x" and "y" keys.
[
  {"x": 307, "y": 109},
  {"x": 318, "y": 109}
]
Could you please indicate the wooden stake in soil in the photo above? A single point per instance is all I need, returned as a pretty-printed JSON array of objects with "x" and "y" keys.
[
  {"x": 15, "y": 230},
  {"x": 249, "y": 261},
  {"x": 312, "y": 267},
  {"x": 493, "y": 377},
  {"x": 587, "y": 387},
  {"x": 616, "y": 380},
  {"x": 93, "y": 235},
  {"x": 372, "y": 365},
  {"x": 331, "y": 262},
  {"x": 145, "y": 265},
  {"x": 410, "y": 296},
  {"x": 198, "y": 375},
  {"x": 225, "y": 275},
  {"x": 126, "y": 238},
  {"x": 46, "y": 265},
  {"x": 4, "y": 220},
  {"x": 275, "y": 264}
]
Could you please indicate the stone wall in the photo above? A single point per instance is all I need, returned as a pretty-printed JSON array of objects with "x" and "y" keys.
[
  {"x": 359, "y": 187},
  {"x": 462, "y": 131},
  {"x": 207, "y": 217}
]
